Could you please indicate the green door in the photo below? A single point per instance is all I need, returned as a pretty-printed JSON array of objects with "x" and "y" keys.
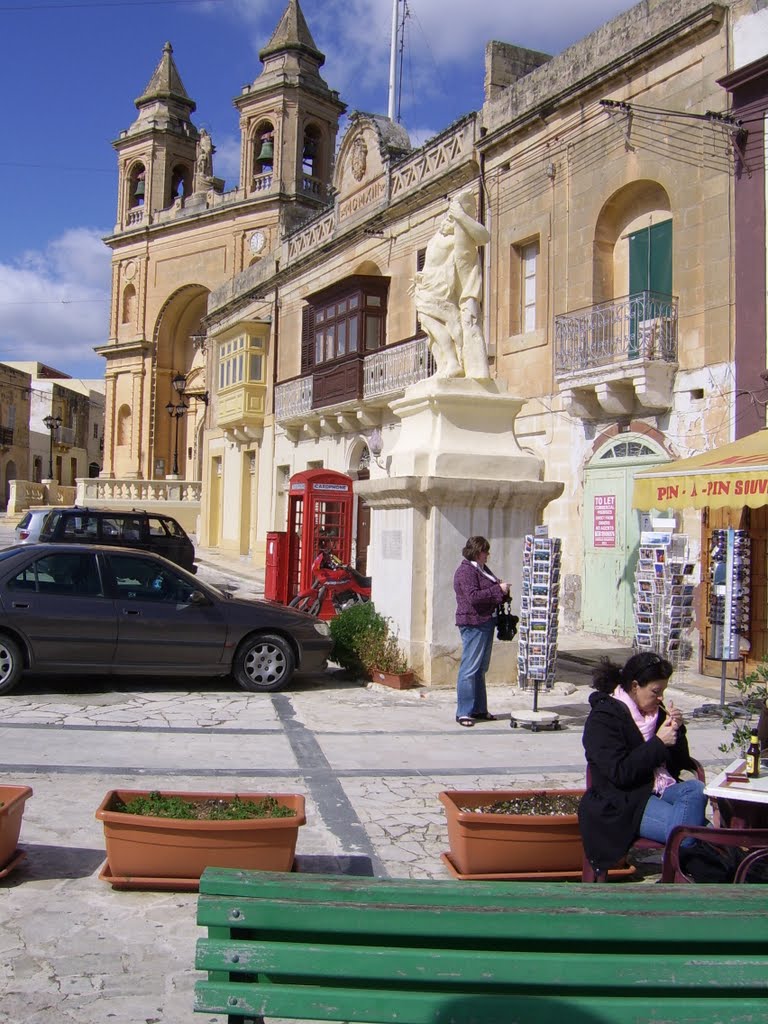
[
  {"x": 650, "y": 273},
  {"x": 612, "y": 534}
]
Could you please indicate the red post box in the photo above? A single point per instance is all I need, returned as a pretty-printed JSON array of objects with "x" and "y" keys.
[{"x": 276, "y": 567}]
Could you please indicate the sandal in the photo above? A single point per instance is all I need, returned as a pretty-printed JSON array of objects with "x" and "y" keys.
[
  {"x": 484, "y": 716},
  {"x": 466, "y": 721}
]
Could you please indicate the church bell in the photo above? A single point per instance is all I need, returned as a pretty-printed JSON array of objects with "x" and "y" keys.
[{"x": 266, "y": 152}]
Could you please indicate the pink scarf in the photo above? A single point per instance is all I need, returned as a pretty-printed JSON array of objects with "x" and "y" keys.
[{"x": 647, "y": 726}]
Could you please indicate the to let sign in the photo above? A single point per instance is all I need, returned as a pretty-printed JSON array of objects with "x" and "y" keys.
[{"x": 605, "y": 521}]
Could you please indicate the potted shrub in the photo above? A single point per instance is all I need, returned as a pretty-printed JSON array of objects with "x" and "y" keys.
[
  {"x": 172, "y": 837},
  {"x": 364, "y": 643},
  {"x": 514, "y": 832},
  {"x": 385, "y": 661},
  {"x": 12, "y": 801}
]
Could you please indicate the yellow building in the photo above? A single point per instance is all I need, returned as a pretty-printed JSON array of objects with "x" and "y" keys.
[{"x": 605, "y": 178}]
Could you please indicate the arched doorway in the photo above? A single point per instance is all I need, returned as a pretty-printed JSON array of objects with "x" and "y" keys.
[{"x": 612, "y": 532}]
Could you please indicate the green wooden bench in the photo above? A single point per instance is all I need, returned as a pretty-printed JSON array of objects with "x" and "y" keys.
[{"x": 329, "y": 947}]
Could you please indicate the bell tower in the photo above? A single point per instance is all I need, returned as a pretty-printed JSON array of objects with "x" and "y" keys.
[
  {"x": 289, "y": 119},
  {"x": 157, "y": 153}
]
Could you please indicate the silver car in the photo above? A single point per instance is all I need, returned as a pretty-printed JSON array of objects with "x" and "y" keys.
[{"x": 28, "y": 528}]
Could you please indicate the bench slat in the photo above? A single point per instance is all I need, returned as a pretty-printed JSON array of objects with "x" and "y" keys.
[
  {"x": 700, "y": 924},
  {"x": 461, "y": 966},
  {"x": 371, "y": 1006},
  {"x": 435, "y": 892}
]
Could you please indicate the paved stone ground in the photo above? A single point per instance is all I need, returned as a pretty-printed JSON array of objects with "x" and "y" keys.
[{"x": 370, "y": 761}]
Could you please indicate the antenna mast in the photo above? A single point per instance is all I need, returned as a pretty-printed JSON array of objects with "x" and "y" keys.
[{"x": 393, "y": 60}]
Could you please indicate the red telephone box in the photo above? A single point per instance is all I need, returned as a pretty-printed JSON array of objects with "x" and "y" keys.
[{"x": 319, "y": 517}]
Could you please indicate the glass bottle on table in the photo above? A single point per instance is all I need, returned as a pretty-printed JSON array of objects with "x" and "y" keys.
[{"x": 753, "y": 757}]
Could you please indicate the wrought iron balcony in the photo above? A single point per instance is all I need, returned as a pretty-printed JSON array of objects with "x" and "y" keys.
[
  {"x": 331, "y": 399},
  {"x": 640, "y": 326},
  {"x": 618, "y": 358},
  {"x": 6, "y": 436},
  {"x": 394, "y": 367},
  {"x": 293, "y": 400}
]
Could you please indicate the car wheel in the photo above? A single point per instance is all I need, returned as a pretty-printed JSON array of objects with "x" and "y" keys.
[
  {"x": 264, "y": 662},
  {"x": 11, "y": 664}
]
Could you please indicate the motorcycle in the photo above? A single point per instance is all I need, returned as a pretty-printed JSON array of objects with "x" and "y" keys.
[{"x": 335, "y": 586}]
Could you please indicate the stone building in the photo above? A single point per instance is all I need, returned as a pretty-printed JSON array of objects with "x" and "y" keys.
[{"x": 605, "y": 177}]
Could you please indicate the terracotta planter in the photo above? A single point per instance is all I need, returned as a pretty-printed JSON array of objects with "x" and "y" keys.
[
  {"x": 397, "y": 680},
  {"x": 156, "y": 848},
  {"x": 12, "y": 799},
  {"x": 494, "y": 844}
]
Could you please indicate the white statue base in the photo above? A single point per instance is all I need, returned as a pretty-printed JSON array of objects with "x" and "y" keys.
[{"x": 456, "y": 471}]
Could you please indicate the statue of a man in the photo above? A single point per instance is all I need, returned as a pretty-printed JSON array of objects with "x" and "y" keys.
[{"x": 448, "y": 293}]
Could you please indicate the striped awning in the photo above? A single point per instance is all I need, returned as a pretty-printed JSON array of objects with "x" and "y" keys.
[{"x": 728, "y": 477}]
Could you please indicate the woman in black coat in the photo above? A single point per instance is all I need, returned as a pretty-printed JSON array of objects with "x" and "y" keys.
[{"x": 635, "y": 749}]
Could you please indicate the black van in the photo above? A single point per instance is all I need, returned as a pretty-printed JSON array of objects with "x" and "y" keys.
[{"x": 148, "y": 531}]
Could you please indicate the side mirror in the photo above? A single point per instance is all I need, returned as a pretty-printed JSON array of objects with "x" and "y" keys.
[{"x": 198, "y": 597}]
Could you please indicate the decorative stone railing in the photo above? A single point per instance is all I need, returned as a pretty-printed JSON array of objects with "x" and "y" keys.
[
  {"x": 134, "y": 217},
  {"x": 635, "y": 327},
  {"x": 434, "y": 160},
  {"x": 293, "y": 400},
  {"x": 24, "y": 494},
  {"x": 98, "y": 490},
  {"x": 394, "y": 367},
  {"x": 262, "y": 182},
  {"x": 307, "y": 238}
]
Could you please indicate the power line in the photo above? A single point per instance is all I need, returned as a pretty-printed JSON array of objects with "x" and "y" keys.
[
  {"x": 50, "y": 302},
  {"x": 60, "y": 167},
  {"x": 104, "y": 3}
]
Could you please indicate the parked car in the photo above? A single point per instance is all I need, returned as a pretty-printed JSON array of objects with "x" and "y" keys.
[
  {"x": 94, "y": 609},
  {"x": 149, "y": 531},
  {"x": 29, "y": 526}
]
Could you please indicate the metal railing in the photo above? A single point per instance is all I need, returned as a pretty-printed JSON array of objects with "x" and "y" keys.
[
  {"x": 6, "y": 436},
  {"x": 293, "y": 399},
  {"x": 394, "y": 367},
  {"x": 640, "y": 326}
]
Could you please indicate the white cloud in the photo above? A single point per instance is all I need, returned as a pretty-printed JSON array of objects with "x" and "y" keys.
[{"x": 54, "y": 303}]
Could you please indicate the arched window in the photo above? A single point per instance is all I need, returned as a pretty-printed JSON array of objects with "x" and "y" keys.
[
  {"x": 628, "y": 450},
  {"x": 263, "y": 157},
  {"x": 310, "y": 160},
  {"x": 181, "y": 179},
  {"x": 137, "y": 185},
  {"x": 124, "y": 425},
  {"x": 128, "y": 312}
]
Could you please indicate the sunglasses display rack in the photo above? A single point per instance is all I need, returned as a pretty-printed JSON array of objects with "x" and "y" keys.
[
  {"x": 729, "y": 577},
  {"x": 663, "y": 606}
]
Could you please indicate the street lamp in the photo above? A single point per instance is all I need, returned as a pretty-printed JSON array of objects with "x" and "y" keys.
[
  {"x": 176, "y": 411},
  {"x": 52, "y": 423}
]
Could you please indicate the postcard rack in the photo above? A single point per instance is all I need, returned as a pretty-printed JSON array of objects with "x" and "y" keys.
[
  {"x": 664, "y": 583},
  {"x": 539, "y": 611}
]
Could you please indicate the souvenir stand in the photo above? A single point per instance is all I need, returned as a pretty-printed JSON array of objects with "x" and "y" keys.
[
  {"x": 664, "y": 584},
  {"x": 537, "y": 630}
]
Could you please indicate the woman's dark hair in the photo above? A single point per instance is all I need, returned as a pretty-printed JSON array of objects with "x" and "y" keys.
[
  {"x": 642, "y": 668},
  {"x": 475, "y": 546}
]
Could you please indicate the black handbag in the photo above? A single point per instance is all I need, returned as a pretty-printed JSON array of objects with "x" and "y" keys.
[{"x": 506, "y": 622}]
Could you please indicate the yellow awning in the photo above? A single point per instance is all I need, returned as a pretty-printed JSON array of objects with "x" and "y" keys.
[{"x": 728, "y": 477}]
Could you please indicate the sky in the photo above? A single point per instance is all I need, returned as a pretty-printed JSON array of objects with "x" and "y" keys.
[{"x": 71, "y": 69}]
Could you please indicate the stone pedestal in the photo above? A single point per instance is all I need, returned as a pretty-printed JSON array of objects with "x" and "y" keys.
[{"x": 455, "y": 471}]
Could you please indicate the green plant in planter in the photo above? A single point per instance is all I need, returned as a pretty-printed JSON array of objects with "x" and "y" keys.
[
  {"x": 353, "y": 629},
  {"x": 382, "y": 651},
  {"x": 740, "y": 714},
  {"x": 156, "y": 805}
]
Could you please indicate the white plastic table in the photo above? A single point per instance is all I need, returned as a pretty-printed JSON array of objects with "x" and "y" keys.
[{"x": 745, "y": 798}]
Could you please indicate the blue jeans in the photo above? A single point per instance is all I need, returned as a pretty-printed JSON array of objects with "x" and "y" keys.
[
  {"x": 681, "y": 804},
  {"x": 476, "y": 644}
]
